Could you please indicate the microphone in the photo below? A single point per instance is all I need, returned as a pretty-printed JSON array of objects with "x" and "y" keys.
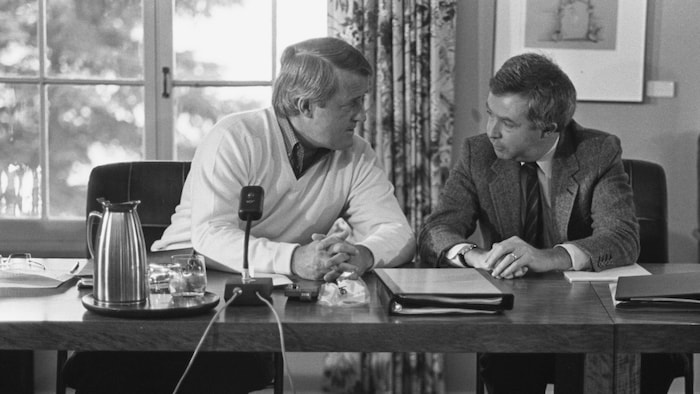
[{"x": 250, "y": 208}]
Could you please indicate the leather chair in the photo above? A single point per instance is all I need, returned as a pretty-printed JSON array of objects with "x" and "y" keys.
[
  {"x": 648, "y": 181},
  {"x": 17, "y": 371},
  {"x": 696, "y": 231},
  {"x": 158, "y": 185}
]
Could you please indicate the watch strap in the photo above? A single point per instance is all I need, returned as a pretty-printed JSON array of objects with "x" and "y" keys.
[{"x": 465, "y": 249}]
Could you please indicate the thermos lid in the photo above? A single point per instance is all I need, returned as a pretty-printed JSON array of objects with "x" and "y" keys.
[{"x": 126, "y": 206}]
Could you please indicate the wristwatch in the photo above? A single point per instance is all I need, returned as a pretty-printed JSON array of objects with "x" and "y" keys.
[{"x": 465, "y": 249}]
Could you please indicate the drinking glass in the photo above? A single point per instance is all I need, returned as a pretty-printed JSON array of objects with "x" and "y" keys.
[
  {"x": 21, "y": 261},
  {"x": 159, "y": 277},
  {"x": 188, "y": 275}
]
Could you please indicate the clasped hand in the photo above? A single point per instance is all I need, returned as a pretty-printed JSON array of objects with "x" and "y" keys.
[
  {"x": 513, "y": 258},
  {"x": 326, "y": 257}
]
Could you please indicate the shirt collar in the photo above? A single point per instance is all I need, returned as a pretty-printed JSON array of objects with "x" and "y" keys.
[
  {"x": 288, "y": 135},
  {"x": 545, "y": 162},
  {"x": 294, "y": 148}
]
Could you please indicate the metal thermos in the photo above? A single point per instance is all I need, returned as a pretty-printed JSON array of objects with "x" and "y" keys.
[{"x": 121, "y": 268}]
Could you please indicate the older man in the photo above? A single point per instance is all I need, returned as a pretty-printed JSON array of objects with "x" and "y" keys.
[{"x": 329, "y": 208}]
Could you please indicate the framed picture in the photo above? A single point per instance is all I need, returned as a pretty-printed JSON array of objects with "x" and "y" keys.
[{"x": 598, "y": 43}]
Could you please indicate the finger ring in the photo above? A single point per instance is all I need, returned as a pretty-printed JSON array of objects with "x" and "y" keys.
[{"x": 513, "y": 256}]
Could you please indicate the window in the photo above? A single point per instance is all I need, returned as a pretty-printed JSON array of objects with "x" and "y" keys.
[{"x": 85, "y": 82}]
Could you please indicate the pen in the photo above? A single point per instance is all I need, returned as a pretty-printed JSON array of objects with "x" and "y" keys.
[{"x": 75, "y": 267}]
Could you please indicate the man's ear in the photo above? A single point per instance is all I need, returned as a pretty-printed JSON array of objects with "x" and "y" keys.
[
  {"x": 304, "y": 107},
  {"x": 549, "y": 129}
]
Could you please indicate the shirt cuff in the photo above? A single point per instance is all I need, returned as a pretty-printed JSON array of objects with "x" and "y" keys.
[
  {"x": 580, "y": 260},
  {"x": 371, "y": 252},
  {"x": 453, "y": 253},
  {"x": 282, "y": 259}
]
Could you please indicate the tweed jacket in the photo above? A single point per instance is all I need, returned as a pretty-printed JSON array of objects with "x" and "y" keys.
[{"x": 591, "y": 200}]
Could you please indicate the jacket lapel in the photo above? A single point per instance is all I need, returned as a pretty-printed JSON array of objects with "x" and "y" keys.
[
  {"x": 564, "y": 186},
  {"x": 504, "y": 188}
]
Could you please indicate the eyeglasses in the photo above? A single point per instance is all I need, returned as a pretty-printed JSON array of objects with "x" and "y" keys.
[{"x": 21, "y": 261}]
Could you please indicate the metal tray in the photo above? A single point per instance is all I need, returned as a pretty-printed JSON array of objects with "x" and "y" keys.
[{"x": 157, "y": 306}]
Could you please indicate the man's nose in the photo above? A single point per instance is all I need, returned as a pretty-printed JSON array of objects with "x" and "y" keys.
[
  {"x": 493, "y": 130},
  {"x": 361, "y": 115}
]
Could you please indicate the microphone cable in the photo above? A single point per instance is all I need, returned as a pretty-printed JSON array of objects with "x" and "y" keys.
[
  {"x": 236, "y": 292},
  {"x": 282, "y": 347}
]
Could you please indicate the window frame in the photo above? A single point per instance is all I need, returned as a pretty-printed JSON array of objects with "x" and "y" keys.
[{"x": 58, "y": 237}]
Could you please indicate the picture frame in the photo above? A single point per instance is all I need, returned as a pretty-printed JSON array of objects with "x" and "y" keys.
[{"x": 599, "y": 44}]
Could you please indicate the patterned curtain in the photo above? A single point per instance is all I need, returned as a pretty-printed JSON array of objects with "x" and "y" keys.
[{"x": 410, "y": 121}]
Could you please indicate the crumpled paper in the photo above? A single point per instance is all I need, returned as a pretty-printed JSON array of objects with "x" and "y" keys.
[
  {"x": 344, "y": 292},
  {"x": 348, "y": 289}
]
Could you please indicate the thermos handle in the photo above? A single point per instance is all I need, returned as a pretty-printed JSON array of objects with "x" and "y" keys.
[{"x": 92, "y": 217}]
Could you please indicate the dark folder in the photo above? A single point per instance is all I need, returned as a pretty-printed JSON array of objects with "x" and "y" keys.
[
  {"x": 427, "y": 291},
  {"x": 664, "y": 288}
]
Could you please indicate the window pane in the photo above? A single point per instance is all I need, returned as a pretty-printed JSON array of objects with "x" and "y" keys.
[
  {"x": 19, "y": 53},
  {"x": 197, "y": 109},
  {"x": 299, "y": 20},
  {"x": 89, "y": 126},
  {"x": 20, "y": 163},
  {"x": 223, "y": 40},
  {"x": 94, "y": 39}
]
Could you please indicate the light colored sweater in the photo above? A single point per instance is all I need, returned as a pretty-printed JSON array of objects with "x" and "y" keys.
[{"x": 248, "y": 149}]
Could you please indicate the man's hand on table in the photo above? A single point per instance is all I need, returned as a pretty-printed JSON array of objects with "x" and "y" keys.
[
  {"x": 327, "y": 257},
  {"x": 513, "y": 257}
]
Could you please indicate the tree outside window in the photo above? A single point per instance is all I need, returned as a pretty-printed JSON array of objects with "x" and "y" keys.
[{"x": 88, "y": 82}]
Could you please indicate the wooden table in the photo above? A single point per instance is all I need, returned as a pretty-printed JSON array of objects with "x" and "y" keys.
[
  {"x": 651, "y": 330},
  {"x": 550, "y": 315}
]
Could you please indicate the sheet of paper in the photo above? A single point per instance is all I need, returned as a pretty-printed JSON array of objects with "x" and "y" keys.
[
  {"x": 57, "y": 271},
  {"x": 609, "y": 275},
  {"x": 277, "y": 279}
]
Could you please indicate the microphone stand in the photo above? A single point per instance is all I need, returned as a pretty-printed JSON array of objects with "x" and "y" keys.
[
  {"x": 245, "y": 277},
  {"x": 249, "y": 210}
]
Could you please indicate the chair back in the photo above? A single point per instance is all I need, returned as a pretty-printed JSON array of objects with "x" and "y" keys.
[
  {"x": 158, "y": 184},
  {"x": 648, "y": 181}
]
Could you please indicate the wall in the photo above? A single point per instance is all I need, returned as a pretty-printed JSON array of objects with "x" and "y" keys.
[{"x": 663, "y": 130}]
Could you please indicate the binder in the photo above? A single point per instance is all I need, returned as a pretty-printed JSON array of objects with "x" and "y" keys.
[
  {"x": 675, "y": 288},
  {"x": 429, "y": 291}
]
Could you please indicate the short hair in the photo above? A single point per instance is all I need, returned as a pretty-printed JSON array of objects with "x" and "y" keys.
[
  {"x": 550, "y": 93},
  {"x": 308, "y": 71}
]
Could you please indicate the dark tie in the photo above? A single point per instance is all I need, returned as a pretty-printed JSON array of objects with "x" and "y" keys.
[{"x": 531, "y": 212}]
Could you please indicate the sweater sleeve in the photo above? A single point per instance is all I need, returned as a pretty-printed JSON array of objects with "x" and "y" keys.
[{"x": 374, "y": 213}]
